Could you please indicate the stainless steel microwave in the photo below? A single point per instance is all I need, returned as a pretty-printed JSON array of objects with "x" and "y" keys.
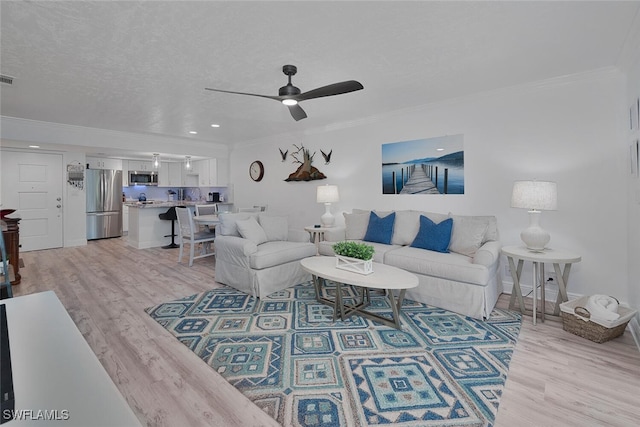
[{"x": 143, "y": 178}]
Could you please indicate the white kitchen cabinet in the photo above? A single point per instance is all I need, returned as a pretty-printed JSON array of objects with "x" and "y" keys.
[
  {"x": 163, "y": 175},
  {"x": 175, "y": 174},
  {"x": 190, "y": 177},
  {"x": 104, "y": 163},
  {"x": 201, "y": 168},
  {"x": 137, "y": 165},
  {"x": 170, "y": 174},
  {"x": 207, "y": 172}
]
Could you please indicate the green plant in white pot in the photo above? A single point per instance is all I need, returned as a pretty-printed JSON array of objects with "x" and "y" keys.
[{"x": 354, "y": 256}]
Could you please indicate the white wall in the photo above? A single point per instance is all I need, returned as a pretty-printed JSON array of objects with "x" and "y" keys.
[
  {"x": 633, "y": 198},
  {"x": 74, "y": 206},
  {"x": 566, "y": 130}
]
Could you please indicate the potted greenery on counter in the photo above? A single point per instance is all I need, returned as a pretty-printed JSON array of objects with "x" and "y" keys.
[{"x": 354, "y": 256}]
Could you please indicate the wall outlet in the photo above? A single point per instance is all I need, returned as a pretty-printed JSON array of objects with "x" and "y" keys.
[{"x": 507, "y": 271}]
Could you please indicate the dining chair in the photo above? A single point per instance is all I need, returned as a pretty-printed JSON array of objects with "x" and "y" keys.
[
  {"x": 5, "y": 280},
  {"x": 189, "y": 235},
  {"x": 209, "y": 209}
]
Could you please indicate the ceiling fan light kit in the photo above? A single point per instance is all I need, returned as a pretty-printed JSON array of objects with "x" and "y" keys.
[{"x": 290, "y": 95}]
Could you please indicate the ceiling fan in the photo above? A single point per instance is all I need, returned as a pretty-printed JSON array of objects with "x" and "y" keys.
[{"x": 290, "y": 95}]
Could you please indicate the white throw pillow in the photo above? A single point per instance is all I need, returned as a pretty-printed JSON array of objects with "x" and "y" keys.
[
  {"x": 275, "y": 227},
  {"x": 406, "y": 227},
  {"x": 227, "y": 226},
  {"x": 251, "y": 230},
  {"x": 356, "y": 225},
  {"x": 467, "y": 234},
  {"x": 492, "y": 228}
]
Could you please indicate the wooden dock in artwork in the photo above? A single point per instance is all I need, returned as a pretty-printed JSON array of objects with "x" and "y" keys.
[{"x": 419, "y": 183}]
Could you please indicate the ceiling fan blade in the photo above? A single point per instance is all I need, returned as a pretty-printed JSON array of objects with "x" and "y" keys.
[
  {"x": 330, "y": 90},
  {"x": 277, "y": 98},
  {"x": 297, "y": 112}
]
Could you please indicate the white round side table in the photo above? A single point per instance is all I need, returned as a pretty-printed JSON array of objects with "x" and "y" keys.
[
  {"x": 548, "y": 255},
  {"x": 317, "y": 234}
]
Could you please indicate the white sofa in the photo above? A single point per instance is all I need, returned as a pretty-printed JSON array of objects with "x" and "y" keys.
[
  {"x": 258, "y": 254},
  {"x": 466, "y": 280}
]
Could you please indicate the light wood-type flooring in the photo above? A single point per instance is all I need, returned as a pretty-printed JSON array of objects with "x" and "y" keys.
[{"x": 555, "y": 378}]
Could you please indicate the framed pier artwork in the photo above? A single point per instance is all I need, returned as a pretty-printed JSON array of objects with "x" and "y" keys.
[{"x": 424, "y": 166}]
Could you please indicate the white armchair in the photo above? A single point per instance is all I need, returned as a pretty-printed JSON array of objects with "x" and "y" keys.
[{"x": 259, "y": 255}]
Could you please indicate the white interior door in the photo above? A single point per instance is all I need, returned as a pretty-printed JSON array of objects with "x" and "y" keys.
[{"x": 32, "y": 184}]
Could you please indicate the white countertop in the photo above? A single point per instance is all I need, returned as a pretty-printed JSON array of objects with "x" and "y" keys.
[
  {"x": 168, "y": 204},
  {"x": 165, "y": 204}
]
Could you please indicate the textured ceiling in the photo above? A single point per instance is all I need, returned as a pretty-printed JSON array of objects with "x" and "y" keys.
[{"x": 142, "y": 66}]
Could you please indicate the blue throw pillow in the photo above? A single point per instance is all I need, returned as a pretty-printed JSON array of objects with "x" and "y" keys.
[
  {"x": 432, "y": 236},
  {"x": 380, "y": 230}
]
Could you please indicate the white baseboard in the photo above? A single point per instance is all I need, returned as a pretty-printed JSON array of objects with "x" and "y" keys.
[
  {"x": 76, "y": 242},
  {"x": 550, "y": 293}
]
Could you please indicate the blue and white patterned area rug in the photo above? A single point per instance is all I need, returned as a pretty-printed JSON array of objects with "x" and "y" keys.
[{"x": 286, "y": 354}]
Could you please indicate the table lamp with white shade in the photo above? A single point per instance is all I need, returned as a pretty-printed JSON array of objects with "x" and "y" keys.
[
  {"x": 536, "y": 196},
  {"x": 327, "y": 194}
]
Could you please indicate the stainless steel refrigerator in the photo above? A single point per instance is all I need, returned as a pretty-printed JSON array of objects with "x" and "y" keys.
[{"x": 104, "y": 203}]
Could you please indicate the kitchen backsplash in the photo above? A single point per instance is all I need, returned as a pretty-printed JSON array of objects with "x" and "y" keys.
[{"x": 161, "y": 193}]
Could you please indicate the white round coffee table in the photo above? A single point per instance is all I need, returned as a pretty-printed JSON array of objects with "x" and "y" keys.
[{"x": 384, "y": 277}]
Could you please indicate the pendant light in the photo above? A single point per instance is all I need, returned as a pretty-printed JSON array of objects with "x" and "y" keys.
[
  {"x": 187, "y": 163},
  {"x": 155, "y": 162}
]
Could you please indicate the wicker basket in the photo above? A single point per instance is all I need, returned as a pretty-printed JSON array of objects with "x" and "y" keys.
[{"x": 576, "y": 319}]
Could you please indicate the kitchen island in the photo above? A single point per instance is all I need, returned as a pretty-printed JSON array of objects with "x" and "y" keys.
[{"x": 146, "y": 229}]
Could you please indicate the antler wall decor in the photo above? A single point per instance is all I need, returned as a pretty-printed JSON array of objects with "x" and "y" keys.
[{"x": 305, "y": 171}]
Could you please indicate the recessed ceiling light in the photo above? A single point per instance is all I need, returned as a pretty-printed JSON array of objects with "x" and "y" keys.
[
  {"x": 439, "y": 149},
  {"x": 34, "y": 146},
  {"x": 193, "y": 132},
  {"x": 215, "y": 126}
]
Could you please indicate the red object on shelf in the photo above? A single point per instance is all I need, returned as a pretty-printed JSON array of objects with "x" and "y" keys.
[{"x": 5, "y": 212}]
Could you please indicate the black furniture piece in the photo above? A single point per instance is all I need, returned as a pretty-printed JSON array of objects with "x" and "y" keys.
[
  {"x": 170, "y": 215},
  {"x": 7, "y": 396}
]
